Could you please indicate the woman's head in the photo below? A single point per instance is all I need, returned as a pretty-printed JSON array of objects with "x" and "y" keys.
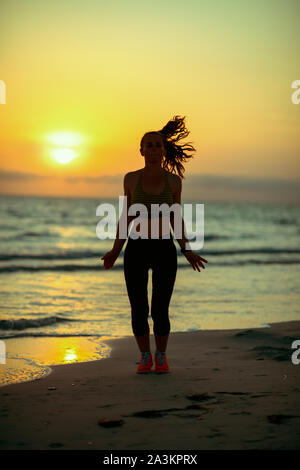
[
  {"x": 162, "y": 144},
  {"x": 152, "y": 146}
]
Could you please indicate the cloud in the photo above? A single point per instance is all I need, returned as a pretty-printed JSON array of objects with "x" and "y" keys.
[
  {"x": 241, "y": 188},
  {"x": 112, "y": 179},
  {"x": 15, "y": 176},
  {"x": 243, "y": 182}
]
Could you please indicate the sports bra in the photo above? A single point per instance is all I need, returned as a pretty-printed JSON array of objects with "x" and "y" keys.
[{"x": 140, "y": 197}]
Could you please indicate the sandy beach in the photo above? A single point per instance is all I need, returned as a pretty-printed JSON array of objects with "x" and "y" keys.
[{"x": 227, "y": 389}]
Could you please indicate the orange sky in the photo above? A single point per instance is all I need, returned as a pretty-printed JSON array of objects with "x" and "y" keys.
[{"x": 93, "y": 77}]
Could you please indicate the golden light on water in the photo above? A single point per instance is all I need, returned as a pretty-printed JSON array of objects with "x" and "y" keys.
[
  {"x": 27, "y": 359},
  {"x": 70, "y": 355}
]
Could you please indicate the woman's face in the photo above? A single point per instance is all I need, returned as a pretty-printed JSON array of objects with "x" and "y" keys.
[{"x": 153, "y": 148}]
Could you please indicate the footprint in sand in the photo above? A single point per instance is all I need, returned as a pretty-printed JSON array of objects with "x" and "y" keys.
[{"x": 278, "y": 419}]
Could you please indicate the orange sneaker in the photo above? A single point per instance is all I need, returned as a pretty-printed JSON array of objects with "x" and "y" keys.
[
  {"x": 145, "y": 364},
  {"x": 161, "y": 364}
]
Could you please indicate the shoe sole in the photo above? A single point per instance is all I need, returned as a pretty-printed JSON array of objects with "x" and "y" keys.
[{"x": 154, "y": 372}]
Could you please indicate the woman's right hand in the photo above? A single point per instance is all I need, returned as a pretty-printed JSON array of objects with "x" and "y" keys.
[{"x": 109, "y": 258}]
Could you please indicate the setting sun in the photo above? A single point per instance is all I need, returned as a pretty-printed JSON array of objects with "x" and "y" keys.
[
  {"x": 64, "y": 155},
  {"x": 63, "y": 145}
]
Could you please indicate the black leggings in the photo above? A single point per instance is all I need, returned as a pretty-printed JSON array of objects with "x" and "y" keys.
[{"x": 161, "y": 256}]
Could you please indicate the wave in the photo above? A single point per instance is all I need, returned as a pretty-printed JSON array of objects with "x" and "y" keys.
[
  {"x": 100, "y": 267},
  {"x": 37, "y": 234},
  {"x": 54, "y": 335},
  {"x": 23, "y": 323},
  {"x": 263, "y": 250},
  {"x": 72, "y": 255},
  {"x": 211, "y": 237},
  {"x": 52, "y": 256},
  {"x": 29, "y": 234},
  {"x": 287, "y": 221}
]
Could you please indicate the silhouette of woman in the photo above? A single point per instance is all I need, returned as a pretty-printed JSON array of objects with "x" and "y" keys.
[{"x": 154, "y": 184}]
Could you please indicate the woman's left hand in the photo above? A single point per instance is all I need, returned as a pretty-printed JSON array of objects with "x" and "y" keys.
[{"x": 195, "y": 260}]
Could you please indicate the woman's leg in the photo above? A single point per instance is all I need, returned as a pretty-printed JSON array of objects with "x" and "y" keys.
[
  {"x": 136, "y": 277},
  {"x": 143, "y": 342},
  {"x": 164, "y": 270},
  {"x": 161, "y": 342}
]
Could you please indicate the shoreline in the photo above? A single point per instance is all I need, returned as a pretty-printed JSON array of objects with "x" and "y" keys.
[
  {"x": 32, "y": 358},
  {"x": 98, "y": 348},
  {"x": 227, "y": 389}
]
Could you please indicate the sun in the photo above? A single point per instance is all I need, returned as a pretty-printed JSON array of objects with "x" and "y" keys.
[
  {"x": 65, "y": 146},
  {"x": 63, "y": 155}
]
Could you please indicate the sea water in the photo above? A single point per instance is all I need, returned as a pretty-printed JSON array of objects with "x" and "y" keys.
[{"x": 59, "y": 304}]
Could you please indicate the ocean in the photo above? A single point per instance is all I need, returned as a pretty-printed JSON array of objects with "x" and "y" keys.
[{"x": 58, "y": 303}]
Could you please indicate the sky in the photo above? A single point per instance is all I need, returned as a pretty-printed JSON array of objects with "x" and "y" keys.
[{"x": 85, "y": 80}]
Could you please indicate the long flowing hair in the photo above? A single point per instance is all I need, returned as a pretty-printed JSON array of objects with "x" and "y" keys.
[{"x": 175, "y": 154}]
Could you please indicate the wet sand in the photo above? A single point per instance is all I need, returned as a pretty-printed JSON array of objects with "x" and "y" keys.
[{"x": 227, "y": 389}]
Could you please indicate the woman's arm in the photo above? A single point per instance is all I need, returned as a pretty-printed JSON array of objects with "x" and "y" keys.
[
  {"x": 177, "y": 199},
  {"x": 119, "y": 242},
  {"x": 195, "y": 260}
]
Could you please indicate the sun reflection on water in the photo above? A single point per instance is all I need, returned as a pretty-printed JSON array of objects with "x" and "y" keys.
[
  {"x": 70, "y": 355},
  {"x": 30, "y": 358}
]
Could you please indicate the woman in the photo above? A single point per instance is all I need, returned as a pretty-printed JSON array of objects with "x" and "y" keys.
[{"x": 154, "y": 184}]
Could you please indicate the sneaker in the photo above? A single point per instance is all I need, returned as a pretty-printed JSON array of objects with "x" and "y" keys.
[
  {"x": 145, "y": 364},
  {"x": 161, "y": 364}
]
